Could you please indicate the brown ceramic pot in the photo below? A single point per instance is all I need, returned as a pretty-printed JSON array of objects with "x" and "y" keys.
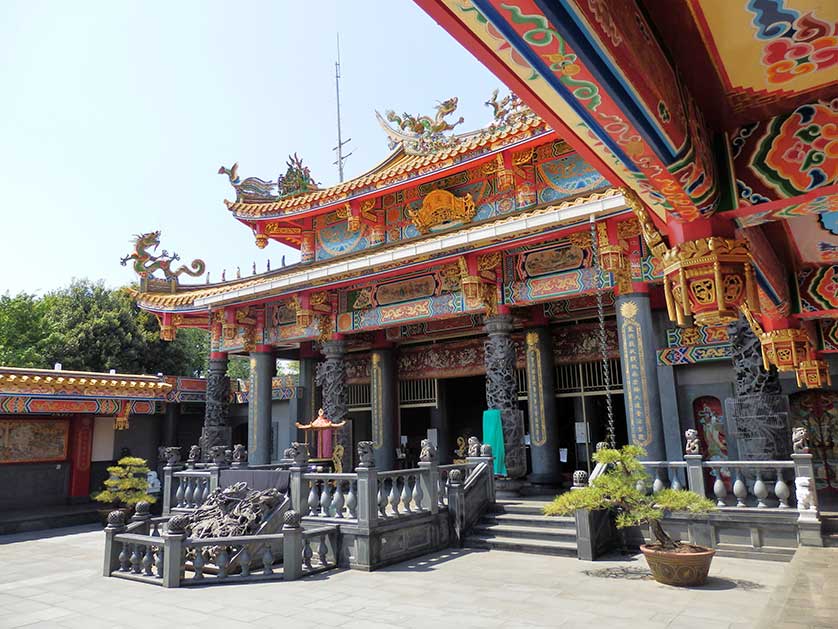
[{"x": 681, "y": 569}]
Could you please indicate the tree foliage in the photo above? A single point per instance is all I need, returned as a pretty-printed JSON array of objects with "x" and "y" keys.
[
  {"x": 128, "y": 483},
  {"x": 621, "y": 489},
  {"x": 89, "y": 327}
]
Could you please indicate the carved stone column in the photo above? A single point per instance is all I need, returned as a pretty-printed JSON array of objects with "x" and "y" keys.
[
  {"x": 758, "y": 417},
  {"x": 216, "y": 432},
  {"x": 383, "y": 403},
  {"x": 502, "y": 391},
  {"x": 544, "y": 445},
  {"x": 640, "y": 378},
  {"x": 259, "y": 415},
  {"x": 330, "y": 376}
]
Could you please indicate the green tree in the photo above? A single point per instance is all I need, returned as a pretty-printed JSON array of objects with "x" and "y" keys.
[
  {"x": 128, "y": 483},
  {"x": 21, "y": 329}
]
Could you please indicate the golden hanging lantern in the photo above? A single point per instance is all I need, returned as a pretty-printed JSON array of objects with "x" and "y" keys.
[
  {"x": 612, "y": 258},
  {"x": 707, "y": 280},
  {"x": 786, "y": 349},
  {"x": 813, "y": 374}
]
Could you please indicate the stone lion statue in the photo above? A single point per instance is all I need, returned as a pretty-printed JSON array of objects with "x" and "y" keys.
[
  {"x": 473, "y": 446},
  {"x": 693, "y": 445},
  {"x": 239, "y": 453},
  {"x": 365, "y": 454},
  {"x": 800, "y": 440},
  {"x": 194, "y": 453},
  {"x": 298, "y": 452},
  {"x": 428, "y": 451}
]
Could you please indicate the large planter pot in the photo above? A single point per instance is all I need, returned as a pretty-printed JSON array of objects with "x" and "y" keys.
[{"x": 680, "y": 569}]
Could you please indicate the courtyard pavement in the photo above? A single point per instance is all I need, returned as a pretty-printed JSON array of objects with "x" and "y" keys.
[{"x": 52, "y": 579}]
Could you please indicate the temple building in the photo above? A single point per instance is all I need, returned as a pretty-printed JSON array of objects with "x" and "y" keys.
[{"x": 643, "y": 241}]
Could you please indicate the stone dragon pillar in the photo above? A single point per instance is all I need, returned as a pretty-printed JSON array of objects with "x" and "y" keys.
[
  {"x": 502, "y": 391},
  {"x": 330, "y": 376},
  {"x": 216, "y": 432}
]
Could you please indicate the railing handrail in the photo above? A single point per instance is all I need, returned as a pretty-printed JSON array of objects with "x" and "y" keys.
[
  {"x": 329, "y": 476},
  {"x": 193, "y": 473},
  {"x": 232, "y": 540},
  {"x": 409, "y": 471},
  {"x": 767, "y": 464},
  {"x": 664, "y": 463},
  {"x": 319, "y": 530},
  {"x": 457, "y": 466},
  {"x": 136, "y": 538}
]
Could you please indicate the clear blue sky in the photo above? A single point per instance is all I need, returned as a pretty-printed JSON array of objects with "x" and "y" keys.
[{"x": 116, "y": 115}]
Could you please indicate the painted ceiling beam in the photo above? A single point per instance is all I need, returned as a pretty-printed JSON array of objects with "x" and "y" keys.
[{"x": 600, "y": 74}]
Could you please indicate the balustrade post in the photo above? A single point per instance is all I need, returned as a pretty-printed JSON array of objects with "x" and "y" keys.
[
  {"x": 457, "y": 504},
  {"x": 806, "y": 493},
  {"x": 299, "y": 498},
  {"x": 430, "y": 485},
  {"x": 173, "y": 553},
  {"x": 142, "y": 514},
  {"x": 169, "y": 486},
  {"x": 292, "y": 546},
  {"x": 695, "y": 474},
  {"x": 116, "y": 524},
  {"x": 367, "y": 497}
]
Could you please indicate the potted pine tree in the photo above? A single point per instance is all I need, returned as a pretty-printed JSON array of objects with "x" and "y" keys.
[
  {"x": 127, "y": 485},
  {"x": 621, "y": 490}
]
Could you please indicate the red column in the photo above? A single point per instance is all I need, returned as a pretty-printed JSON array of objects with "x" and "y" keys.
[{"x": 81, "y": 447}]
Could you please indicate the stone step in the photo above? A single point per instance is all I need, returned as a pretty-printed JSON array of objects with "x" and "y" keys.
[
  {"x": 528, "y": 533},
  {"x": 516, "y": 544},
  {"x": 829, "y": 524},
  {"x": 529, "y": 507},
  {"x": 830, "y": 539},
  {"x": 528, "y": 519}
]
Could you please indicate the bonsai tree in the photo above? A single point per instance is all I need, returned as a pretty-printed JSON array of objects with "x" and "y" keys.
[
  {"x": 621, "y": 490},
  {"x": 128, "y": 483}
]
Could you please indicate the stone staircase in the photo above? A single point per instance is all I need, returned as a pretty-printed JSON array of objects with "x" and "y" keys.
[{"x": 518, "y": 525}]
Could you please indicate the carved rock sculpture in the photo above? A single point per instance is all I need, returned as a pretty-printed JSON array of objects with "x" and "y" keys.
[
  {"x": 218, "y": 455},
  {"x": 365, "y": 454},
  {"x": 486, "y": 449},
  {"x": 427, "y": 453},
  {"x": 803, "y": 493},
  {"x": 580, "y": 478},
  {"x": 693, "y": 445},
  {"x": 234, "y": 510},
  {"x": 178, "y": 523},
  {"x": 455, "y": 476},
  {"x": 746, "y": 353},
  {"x": 473, "y": 446},
  {"x": 142, "y": 508},
  {"x": 800, "y": 440},
  {"x": 171, "y": 455},
  {"x": 194, "y": 454},
  {"x": 330, "y": 376}
]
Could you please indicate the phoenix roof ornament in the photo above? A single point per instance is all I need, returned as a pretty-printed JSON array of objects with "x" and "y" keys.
[
  {"x": 296, "y": 180},
  {"x": 508, "y": 111}
]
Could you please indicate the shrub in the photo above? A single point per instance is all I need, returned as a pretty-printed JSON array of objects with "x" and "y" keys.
[
  {"x": 128, "y": 483},
  {"x": 617, "y": 490}
]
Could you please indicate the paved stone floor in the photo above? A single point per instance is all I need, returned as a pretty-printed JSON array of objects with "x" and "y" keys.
[{"x": 51, "y": 579}]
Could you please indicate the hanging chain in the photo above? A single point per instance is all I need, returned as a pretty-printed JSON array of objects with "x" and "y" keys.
[{"x": 603, "y": 342}]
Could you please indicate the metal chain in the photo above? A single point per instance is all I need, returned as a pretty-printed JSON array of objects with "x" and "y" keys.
[{"x": 603, "y": 342}]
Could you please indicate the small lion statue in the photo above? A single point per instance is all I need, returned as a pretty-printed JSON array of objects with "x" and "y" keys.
[
  {"x": 800, "y": 440},
  {"x": 428, "y": 451},
  {"x": 473, "y": 446},
  {"x": 803, "y": 493},
  {"x": 693, "y": 445},
  {"x": 298, "y": 452},
  {"x": 365, "y": 454}
]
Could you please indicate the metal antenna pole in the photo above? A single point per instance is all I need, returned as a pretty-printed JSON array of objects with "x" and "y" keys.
[{"x": 339, "y": 148}]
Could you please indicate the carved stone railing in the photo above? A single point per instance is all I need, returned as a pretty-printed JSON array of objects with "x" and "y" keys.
[
  {"x": 172, "y": 559},
  {"x": 330, "y": 495}
]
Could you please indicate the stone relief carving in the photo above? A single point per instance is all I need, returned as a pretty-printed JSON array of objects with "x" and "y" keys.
[
  {"x": 330, "y": 376},
  {"x": 746, "y": 352}
]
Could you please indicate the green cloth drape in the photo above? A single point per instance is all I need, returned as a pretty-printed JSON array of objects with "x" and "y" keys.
[{"x": 493, "y": 435}]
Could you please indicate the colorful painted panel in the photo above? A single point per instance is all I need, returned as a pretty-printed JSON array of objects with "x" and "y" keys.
[
  {"x": 788, "y": 155},
  {"x": 688, "y": 355},
  {"x": 380, "y": 316},
  {"x": 818, "y": 411},
  {"x": 565, "y": 257},
  {"x": 710, "y": 423},
  {"x": 814, "y": 242},
  {"x": 436, "y": 327},
  {"x": 555, "y": 286},
  {"x": 697, "y": 335},
  {"x": 333, "y": 238},
  {"x": 829, "y": 334},
  {"x": 818, "y": 289},
  {"x": 578, "y": 307},
  {"x": 442, "y": 360},
  {"x": 444, "y": 280},
  {"x": 33, "y": 440}
]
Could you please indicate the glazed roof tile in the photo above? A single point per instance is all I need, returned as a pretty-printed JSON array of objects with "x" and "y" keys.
[
  {"x": 14, "y": 379},
  {"x": 399, "y": 166}
]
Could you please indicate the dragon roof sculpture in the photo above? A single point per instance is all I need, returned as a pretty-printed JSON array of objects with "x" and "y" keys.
[
  {"x": 421, "y": 135},
  {"x": 296, "y": 180}
]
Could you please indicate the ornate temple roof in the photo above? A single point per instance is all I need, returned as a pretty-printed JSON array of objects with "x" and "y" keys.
[
  {"x": 49, "y": 381},
  {"x": 401, "y": 166},
  {"x": 197, "y": 298}
]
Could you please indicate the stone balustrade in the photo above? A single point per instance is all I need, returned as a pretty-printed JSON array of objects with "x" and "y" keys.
[{"x": 331, "y": 495}]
